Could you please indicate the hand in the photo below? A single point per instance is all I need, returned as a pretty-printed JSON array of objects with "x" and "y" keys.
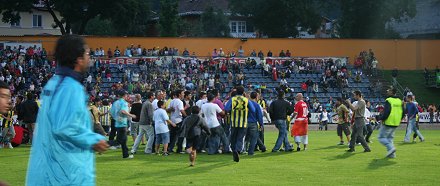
[
  {"x": 133, "y": 116},
  {"x": 174, "y": 125},
  {"x": 348, "y": 101},
  {"x": 101, "y": 146}
]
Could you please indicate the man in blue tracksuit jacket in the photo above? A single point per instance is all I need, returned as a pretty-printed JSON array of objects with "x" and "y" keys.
[{"x": 64, "y": 144}]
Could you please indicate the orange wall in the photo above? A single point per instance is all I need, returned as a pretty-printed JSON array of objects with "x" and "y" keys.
[{"x": 403, "y": 54}]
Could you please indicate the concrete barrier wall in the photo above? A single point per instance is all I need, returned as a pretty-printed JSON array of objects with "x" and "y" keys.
[{"x": 403, "y": 54}]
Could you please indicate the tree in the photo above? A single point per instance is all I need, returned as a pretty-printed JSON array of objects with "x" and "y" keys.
[
  {"x": 74, "y": 15},
  {"x": 168, "y": 18},
  {"x": 99, "y": 26},
  {"x": 368, "y": 19},
  {"x": 278, "y": 18},
  {"x": 215, "y": 23}
]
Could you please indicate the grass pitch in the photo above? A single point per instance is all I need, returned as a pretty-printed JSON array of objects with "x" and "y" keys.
[{"x": 324, "y": 163}]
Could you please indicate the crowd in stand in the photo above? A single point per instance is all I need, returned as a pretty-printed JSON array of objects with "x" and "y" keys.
[{"x": 27, "y": 70}]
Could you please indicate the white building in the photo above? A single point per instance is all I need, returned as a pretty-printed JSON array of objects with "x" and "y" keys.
[{"x": 35, "y": 23}]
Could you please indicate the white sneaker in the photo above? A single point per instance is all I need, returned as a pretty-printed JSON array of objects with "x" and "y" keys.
[
  {"x": 391, "y": 152},
  {"x": 132, "y": 151},
  {"x": 112, "y": 148},
  {"x": 10, "y": 146},
  {"x": 130, "y": 156}
]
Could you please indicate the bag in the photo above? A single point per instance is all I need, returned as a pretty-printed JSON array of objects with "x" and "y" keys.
[{"x": 192, "y": 131}]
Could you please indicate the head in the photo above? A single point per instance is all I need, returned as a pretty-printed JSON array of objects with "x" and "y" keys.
[
  {"x": 281, "y": 94},
  {"x": 357, "y": 94},
  {"x": 215, "y": 92},
  {"x": 299, "y": 97},
  {"x": 391, "y": 91},
  {"x": 150, "y": 96},
  {"x": 137, "y": 97},
  {"x": 159, "y": 95},
  {"x": 339, "y": 101},
  {"x": 203, "y": 95},
  {"x": 179, "y": 94},
  {"x": 72, "y": 51},
  {"x": 410, "y": 98},
  {"x": 211, "y": 97},
  {"x": 97, "y": 102},
  {"x": 195, "y": 110},
  {"x": 187, "y": 95},
  {"x": 254, "y": 95},
  {"x": 161, "y": 104},
  {"x": 5, "y": 98},
  {"x": 240, "y": 90},
  {"x": 123, "y": 94}
]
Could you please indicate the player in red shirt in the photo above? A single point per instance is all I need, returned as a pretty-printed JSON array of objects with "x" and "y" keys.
[{"x": 300, "y": 126}]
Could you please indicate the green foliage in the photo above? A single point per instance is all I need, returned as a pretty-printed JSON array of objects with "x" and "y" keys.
[
  {"x": 367, "y": 19},
  {"x": 278, "y": 18},
  {"x": 100, "y": 27},
  {"x": 324, "y": 163},
  {"x": 189, "y": 28},
  {"x": 129, "y": 17},
  {"x": 215, "y": 23},
  {"x": 168, "y": 18}
]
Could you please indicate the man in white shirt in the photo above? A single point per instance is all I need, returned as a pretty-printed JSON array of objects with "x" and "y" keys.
[
  {"x": 210, "y": 111},
  {"x": 159, "y": 97},
  {"x": 177, "y": 113}
]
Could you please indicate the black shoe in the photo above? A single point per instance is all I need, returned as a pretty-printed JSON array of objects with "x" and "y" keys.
[
  {"x": 350, "y": 150},
  {"x": 235, "y": 156},
  {"x": 298, "y": 149},
  {"x": 367, "y": 150},
  {"x": 263, "y": 150}
]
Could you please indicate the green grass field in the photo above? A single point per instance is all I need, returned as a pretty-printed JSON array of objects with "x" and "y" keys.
[{"x": 324, "y": 163}]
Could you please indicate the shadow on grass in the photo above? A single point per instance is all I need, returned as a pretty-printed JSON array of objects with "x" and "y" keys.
[
  {"x": 437, "y": 144},
  {"x": 168, "y": 173},
  {"x": 379, "y": 163},
  {"x": 405, "y": 143},
  {"x": 341, "y": 156},
  {"x": 332, "y": 147}
]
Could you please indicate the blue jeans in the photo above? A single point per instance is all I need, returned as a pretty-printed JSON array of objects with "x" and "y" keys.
[
  {"x": 252, "y": 135},
  {"x": 410, "y": 128},
  {"x": 237, "y": 138},
  {"x": 386, "y": 136},
  {"x": 217, "y": 135},
  {"x": 282, "y": 136}
]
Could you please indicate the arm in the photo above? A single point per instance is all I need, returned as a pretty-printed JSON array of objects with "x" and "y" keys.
[
  {"x": 69, "y": 122},
  {"x": 259, "y": 115},
  {"x": 353, "y": 108},
  {"x": 386, "y": 112}
]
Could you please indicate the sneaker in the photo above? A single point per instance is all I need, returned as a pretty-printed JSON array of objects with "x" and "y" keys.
[
  {"x": 133, "y": 152},
  {"x": 236, "y": 156},
  {"x": 130, "y": 156},
  {"x": 341, "y": 143},
  {"x": 275, "y": 150},
  {"x": 391, "y": 152},
  {"x": 203, "y": 151},
  {"x": 165, "y": 154},
  {"x": 298, "y": 149},
  {"x": 422, "y": 139},
  {"x": 367, "y": 150},
  {"x": 350, "y": 150},
  {"x": 263, "y": 150},
  {"x": 112, "y": 148},
  {"x": 10, "y": 146}
]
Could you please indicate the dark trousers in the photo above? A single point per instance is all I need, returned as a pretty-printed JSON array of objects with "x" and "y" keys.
[
  {"x": 260, "y": 140},
  {"x": 112, "y": 134},
  {"x": 237, "y": 138},
  {"x": 357, "y": 133},
  {"x": 121, "y": 137},
  {"x": 252, "y": 137},
  {"x": 368, "y": 131},
  {"x": 174, "y": 137}
]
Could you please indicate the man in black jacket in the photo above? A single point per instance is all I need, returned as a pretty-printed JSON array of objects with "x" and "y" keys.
[
  {"x": 28, "y": 112},
  {"x": 192, "y": 128},
  {"x": 279, "y": 110}
]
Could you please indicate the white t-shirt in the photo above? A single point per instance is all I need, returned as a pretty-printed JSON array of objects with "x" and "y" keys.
[
  {"x": 210, "y": 111},
  {"x": 176, "y": 115},
  {"x": 160, "y": 118},
  {"x": 324, "y": 116},
  {"x": 154, "y": 103}
]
